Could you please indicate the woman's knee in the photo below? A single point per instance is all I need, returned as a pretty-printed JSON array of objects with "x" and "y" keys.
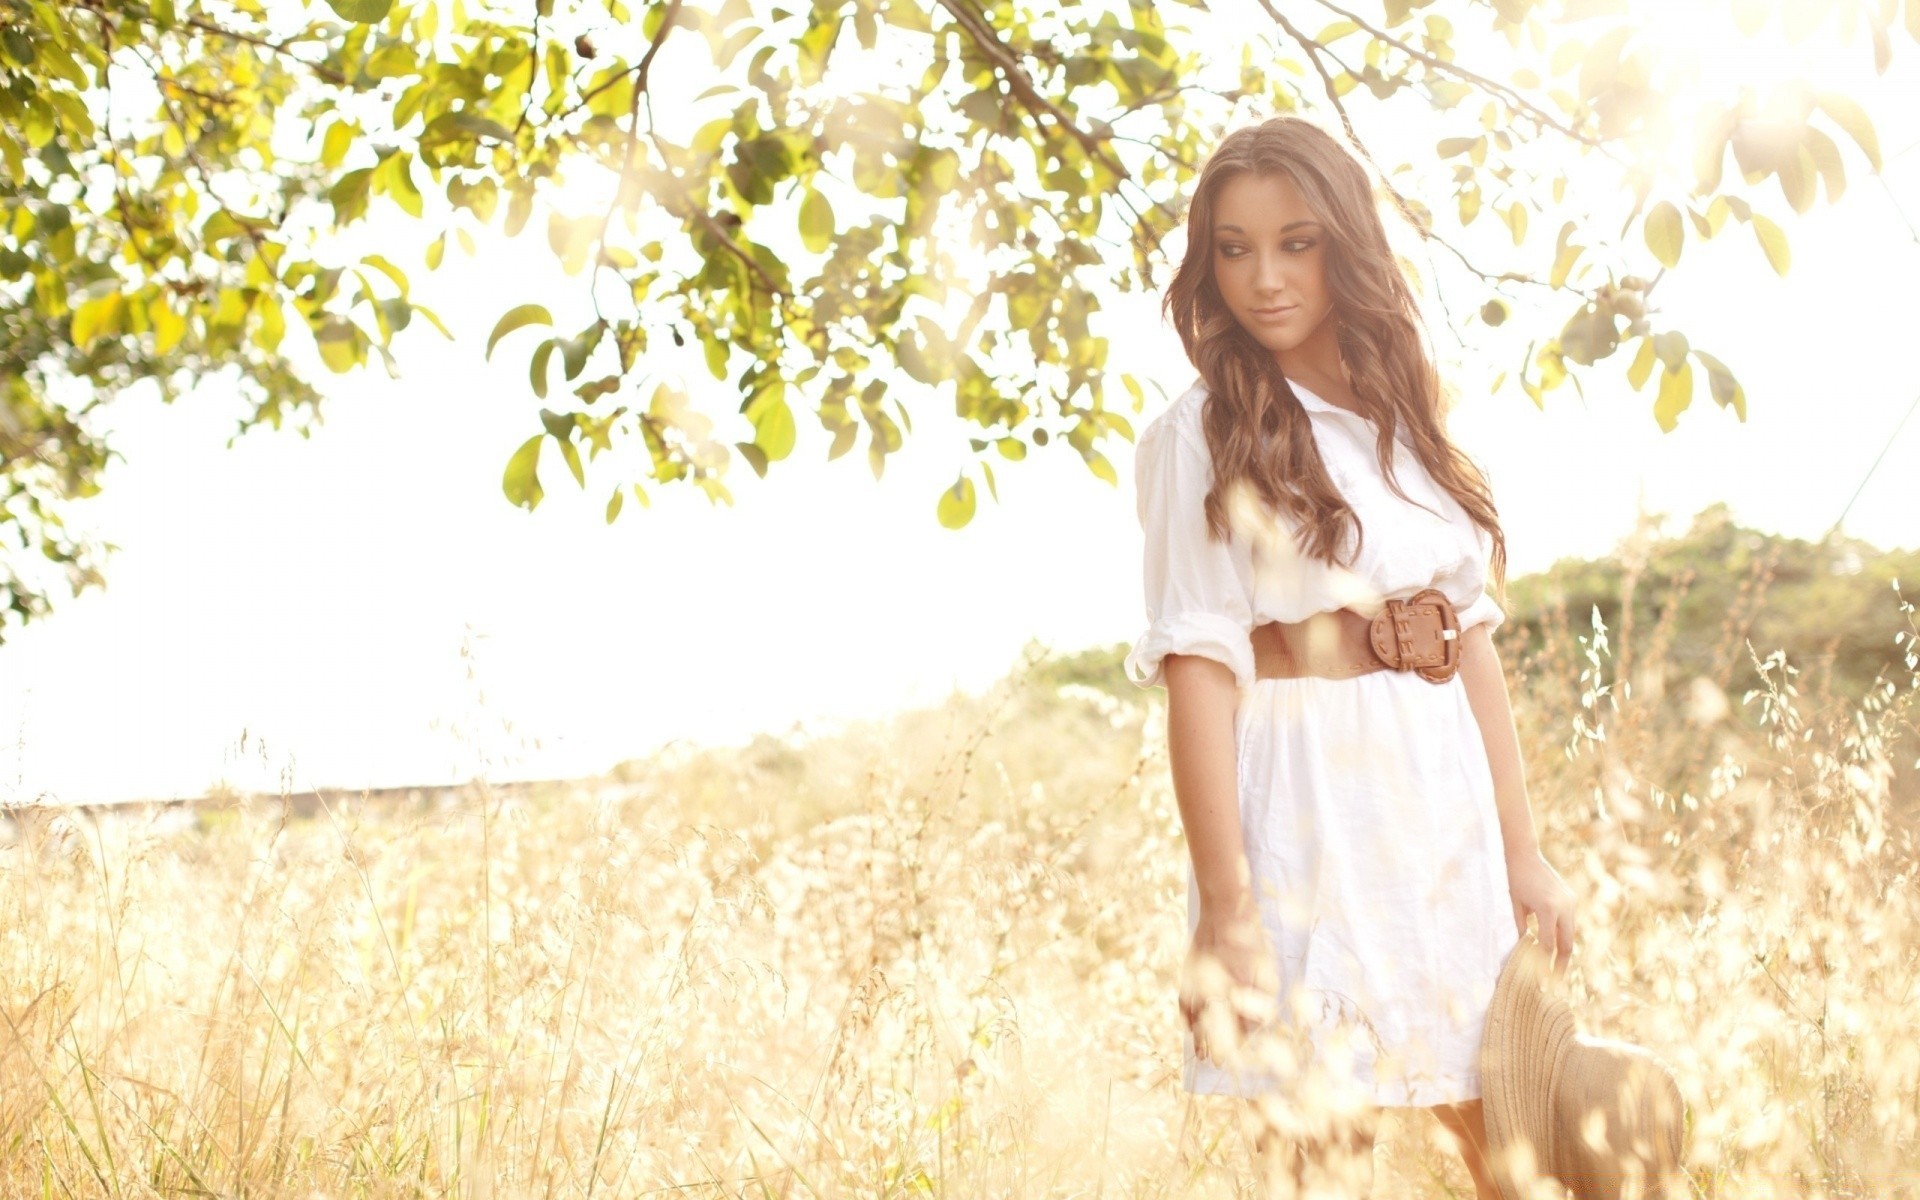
[{"x": 1462, "y": 1117}]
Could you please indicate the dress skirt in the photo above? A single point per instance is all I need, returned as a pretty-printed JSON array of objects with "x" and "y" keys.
[{"x": 1368, "y": 814}]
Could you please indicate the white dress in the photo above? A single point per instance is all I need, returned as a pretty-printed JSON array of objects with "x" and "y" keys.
[{"x": 1366, "y": 803}]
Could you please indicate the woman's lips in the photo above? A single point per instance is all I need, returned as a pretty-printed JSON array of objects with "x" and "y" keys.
[{"x": 1274, "y": 314}]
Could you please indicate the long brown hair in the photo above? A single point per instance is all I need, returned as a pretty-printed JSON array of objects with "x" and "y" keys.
[{"x": 1255, "y": 426}]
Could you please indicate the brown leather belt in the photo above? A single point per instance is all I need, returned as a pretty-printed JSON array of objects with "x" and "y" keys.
[{"x": 1420, "y": 633}]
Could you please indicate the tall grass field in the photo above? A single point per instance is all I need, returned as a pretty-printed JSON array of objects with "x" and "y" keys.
[{"x": 938, "y": 957}]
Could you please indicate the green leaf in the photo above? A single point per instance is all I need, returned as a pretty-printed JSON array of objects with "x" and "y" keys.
[
  {"x": 349, "y": 194},
  {"x": 380, "y": 264},
  {"x": 1773, "y": 240},
  {"x": 400, "y": 184},
  {"x": 525, "y": 314},
  {"x": 1665, "y": 233},
  {"x": 816, "y": 222},
  {"x": 613, "y": 504},
  {"x": 364, "y": 12},
  {"x": 17, "y": 45},
  {"x": 773, "y": 428},
  {"x": 521, "y": 482},
  {"x": 956, "y": 504},
  {"x": 538, "y": 370}
]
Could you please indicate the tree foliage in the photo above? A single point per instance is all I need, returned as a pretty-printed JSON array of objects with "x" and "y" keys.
[{"x": 171, "y": 173}]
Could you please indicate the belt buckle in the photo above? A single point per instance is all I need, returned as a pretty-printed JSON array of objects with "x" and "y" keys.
[{"x": 1420, "y": 633}]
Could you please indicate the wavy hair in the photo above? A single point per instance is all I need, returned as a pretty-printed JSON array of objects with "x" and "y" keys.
[{"x": 1256, "y": 428}]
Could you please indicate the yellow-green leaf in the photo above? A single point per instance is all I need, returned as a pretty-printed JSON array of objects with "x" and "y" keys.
[
  {"x": 339, "y": 139},
  {"x": 521, "y": 482},
  {"x": 1826, "y": 159},
  {"x": 273, "y": 322},
  {"x": 1642, "y": 365},
  {"x": 1676, "y": 392},
  {"x": 1565, "y": 255},
  {"x": 773, "y": 429},
  {"x": 571, "y": 454},
  {"x": 816, "y": 221},
  {"x": 956, "y": 504},
  {"x": 400, "y": 186},
  {"x": 168, "y": 326},
  {"x": 1665, "y": 233},
  {"x": 1725, "y": 388},
  {"x": 1848, "y": 115},
  {"x": 337, "y": 342},
  {"x": 364, "y": 12},
  {"x": 1774, "y": 241},
  {"x": 380, "y": 264},
  {"x": 515, "y": 318},
  {"x": 1516, "y": 218},
  {"x": 98, "y": 315}
]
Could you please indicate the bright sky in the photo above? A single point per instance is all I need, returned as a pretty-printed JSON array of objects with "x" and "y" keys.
[{"x": 365, "y": 608}]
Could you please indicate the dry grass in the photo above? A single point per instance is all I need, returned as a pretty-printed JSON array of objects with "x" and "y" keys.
[{"x": 934, "y": 958}]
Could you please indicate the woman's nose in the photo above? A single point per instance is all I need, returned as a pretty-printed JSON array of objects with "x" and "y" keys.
[{"x": 1270, "y": 276}]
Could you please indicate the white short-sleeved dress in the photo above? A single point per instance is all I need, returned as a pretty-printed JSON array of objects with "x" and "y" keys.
[{"x": 1366, "y": 803}]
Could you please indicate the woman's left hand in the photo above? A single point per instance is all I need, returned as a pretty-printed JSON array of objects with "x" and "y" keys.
[{"x": 1537, "y": 888}]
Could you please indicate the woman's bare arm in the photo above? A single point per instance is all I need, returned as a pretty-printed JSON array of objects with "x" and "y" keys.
[
  {"x": 1229, "y": 960},
  {"x": 1534, "y": 885},
  {"x": 1486, "y": 683},
  {"x": 1201, "y": 701}
]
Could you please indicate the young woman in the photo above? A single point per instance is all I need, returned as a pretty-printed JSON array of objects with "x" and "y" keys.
[{"x": 1363, "y": 855}]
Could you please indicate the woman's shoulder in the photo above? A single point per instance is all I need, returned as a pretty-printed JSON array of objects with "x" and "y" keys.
[{"x": 1181, "y": 418}]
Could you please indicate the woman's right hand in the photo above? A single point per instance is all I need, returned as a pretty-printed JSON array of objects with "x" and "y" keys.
[{"x": 1229, "y": 984}]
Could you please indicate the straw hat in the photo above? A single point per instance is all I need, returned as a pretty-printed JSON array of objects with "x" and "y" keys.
[{"x": 1603, "y": 1117}]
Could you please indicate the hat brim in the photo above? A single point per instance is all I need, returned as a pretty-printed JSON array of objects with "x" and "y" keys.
[{"x": 1527, "y": 1036}]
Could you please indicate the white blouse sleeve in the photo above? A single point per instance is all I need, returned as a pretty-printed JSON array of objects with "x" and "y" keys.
[
  {"x": 1481, "y": 609},
  {"x": 1199, "y": 592}
]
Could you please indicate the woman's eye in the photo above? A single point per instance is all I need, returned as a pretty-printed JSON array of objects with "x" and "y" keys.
[{"x": 1295, "y": 246}]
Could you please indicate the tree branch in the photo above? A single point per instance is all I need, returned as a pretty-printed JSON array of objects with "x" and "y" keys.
[
  {"x": 983, "y": 36},
  {"x": 633, "y": 128},
  {"x": 713, "y": 226},
  {"x": 1313, "y": 50},
  {"x": 1506, "y": 93}
]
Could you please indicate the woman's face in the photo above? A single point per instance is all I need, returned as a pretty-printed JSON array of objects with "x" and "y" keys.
[{"x": 1269, "y": 262}]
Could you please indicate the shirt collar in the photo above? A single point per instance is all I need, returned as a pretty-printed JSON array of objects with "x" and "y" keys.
[{"x": 1313, "y": 402}]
